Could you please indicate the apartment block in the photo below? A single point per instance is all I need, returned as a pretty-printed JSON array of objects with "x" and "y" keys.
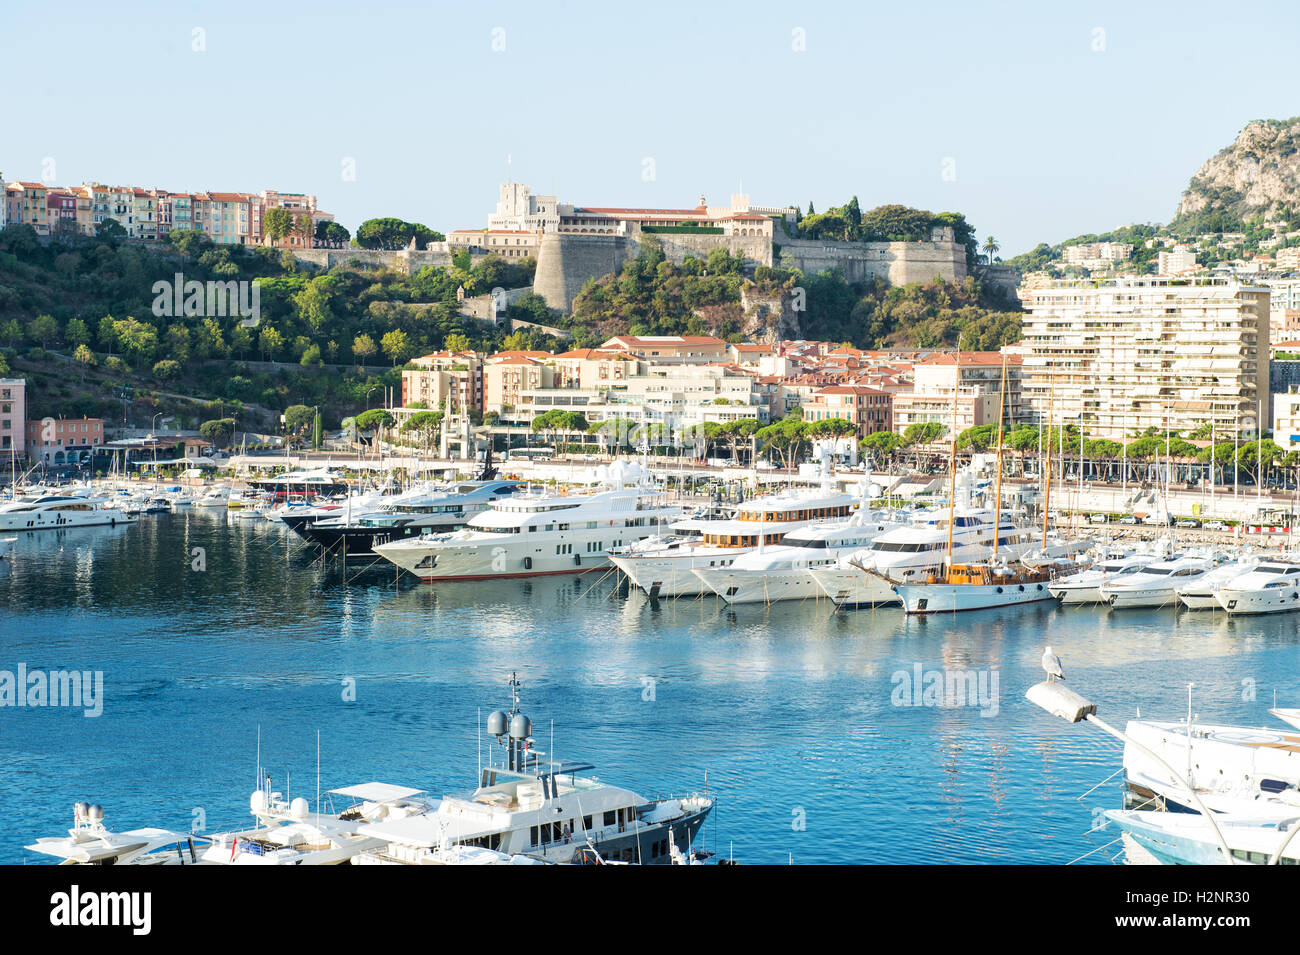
[
  {"x": 13, "y": 415},
  {"x": 1127, "y": 354},
  {"x": 64, "y": 440},
  {"x": 870, "y": 409},
  {"x": 445, "y": 380}
]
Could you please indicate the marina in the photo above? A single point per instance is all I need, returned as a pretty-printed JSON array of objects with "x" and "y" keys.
[{"x": 279, "y": 644}]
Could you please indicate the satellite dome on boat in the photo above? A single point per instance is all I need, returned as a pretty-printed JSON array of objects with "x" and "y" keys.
[
  {"x": 521, "y": 727},
  {"x": 497, "y": 723},
  {"x": 80, "y": 809},
  {"x": 95, "y": 812},
  {"x": 257, "y": 801},
  {"x": 298, "y": 808}
]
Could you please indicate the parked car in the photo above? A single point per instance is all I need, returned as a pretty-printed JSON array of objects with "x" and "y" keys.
[
  {"x": 1128, "y": 519},
  {"x": 1157, "y": 520},
  {"x": 1099, "y": 519},
  {"x": 1187, "y": 522},
  {"x": 1214, "y": 526}
]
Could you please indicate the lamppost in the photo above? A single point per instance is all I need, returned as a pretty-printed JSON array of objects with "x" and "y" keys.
[{"x": 153, "y": 425}]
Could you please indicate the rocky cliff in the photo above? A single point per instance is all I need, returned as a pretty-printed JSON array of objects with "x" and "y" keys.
[{"x": 1259, "y": 174}]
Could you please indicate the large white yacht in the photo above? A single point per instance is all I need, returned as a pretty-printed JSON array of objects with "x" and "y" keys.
[
  {"x": 1157, "y": 584},
  {"x": 665, "y": 567},
  {"x": 782, "y": 572},
  {"x": 917, "y": 550},
  {"x": 1201, "y": 595},
  {"x": 533, "y": 805},
  {"x": 530, "y": 535},
  {"x": 1273, "y": 586},
  {"x": 49, "y": 511},
  {"x": 1084, "y": 587}
]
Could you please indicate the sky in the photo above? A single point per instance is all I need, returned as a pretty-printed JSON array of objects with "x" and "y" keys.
[{"x": 1038, "y": 121}]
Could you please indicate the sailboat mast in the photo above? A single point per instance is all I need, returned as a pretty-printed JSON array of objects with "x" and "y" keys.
[
  {"x": 952, "y": 453},
  {"x": 1047, "y": 463},
  {"x": 997, "y": 492}
]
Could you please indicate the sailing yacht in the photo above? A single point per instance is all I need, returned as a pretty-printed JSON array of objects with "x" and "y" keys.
[
  {"x": 1271, "y": 587},
  {"x": 915, "y": 550},
  {"x": 783, "y": 572},
  {"x": 527, "y": 535},
  {"x": 984, "y": 584},
  {"x": 665, "y": 567}
]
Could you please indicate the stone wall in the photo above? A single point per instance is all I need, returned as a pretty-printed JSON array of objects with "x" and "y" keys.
[
  {"x": 898, "y": 263},
  {"x": 407, "y": 261}
]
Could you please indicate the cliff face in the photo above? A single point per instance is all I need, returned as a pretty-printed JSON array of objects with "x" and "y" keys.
[{"x": 1258, "y": 174}]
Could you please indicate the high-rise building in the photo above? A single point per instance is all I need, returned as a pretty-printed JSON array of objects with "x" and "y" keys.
[{"x": 1127, "y": 354}]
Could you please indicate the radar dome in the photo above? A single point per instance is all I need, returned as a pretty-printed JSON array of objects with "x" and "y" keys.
[
  {"x": 96, "y": 813},
  {"x": 497, "y": 723},
  {"x": 298, "y": 808},
  {"x": 257, "y": 801},
  {"x": 521, "y": 727}
]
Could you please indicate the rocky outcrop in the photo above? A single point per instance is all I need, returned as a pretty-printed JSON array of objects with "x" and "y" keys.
[
  {"x": 769, "y": 317},
  {"x": 1259, "y": 174}
]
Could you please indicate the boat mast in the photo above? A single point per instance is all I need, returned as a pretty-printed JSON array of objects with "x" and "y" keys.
[
  {"x": 952, "y": 455},
  {"x": 997, "y": 492},
  {"x": 1046, "y": 467}
]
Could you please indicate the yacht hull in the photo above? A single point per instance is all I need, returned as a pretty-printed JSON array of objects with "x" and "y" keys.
[
  {"x": 1274, "y": 600},
  {"x": 754, "y": 586},
  {"x": 673, "y": 576},
  {"x": 952, "y": 598},
  {"x": 851, "y": 589}
]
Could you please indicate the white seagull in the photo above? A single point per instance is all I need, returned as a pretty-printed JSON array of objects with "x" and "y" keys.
[{"x": 1052, "y": 664}]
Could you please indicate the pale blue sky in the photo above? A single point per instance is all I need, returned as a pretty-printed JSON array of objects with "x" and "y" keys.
[{"x": 1049, "y": 138}]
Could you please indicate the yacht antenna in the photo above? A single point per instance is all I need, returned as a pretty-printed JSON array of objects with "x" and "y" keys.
[
  {"x": 478, "y": 741},
  {"x": 318, "y": 772},
  {"x": 1189, "y": 731},
  {"x": 257, "y": 780}
]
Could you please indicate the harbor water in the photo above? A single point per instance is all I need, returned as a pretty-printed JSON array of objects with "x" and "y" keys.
[{"x": 821, "y": 733}]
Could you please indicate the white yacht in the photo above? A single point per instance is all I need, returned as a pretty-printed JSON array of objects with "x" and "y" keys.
[
  {"x": 782, "y": 572},
  {"x": 1085, "y": 586},
  {"x": 1156, "y": 584},
  {"x": 536, "y": 806},
  {"x": 58, "y": 511},
  {"x": 531, "y": 535},
  {"x": 666, "y": 567},
  {"x": 1202, "y": 595},
  {"x": 214, "y": 497},
  {"x": 916, "y": 551},
  {"x": 1234, "y": 769},
  {"x": 89, "y": 842},
  {"x": 290, "y": 833},
  {"x": 1178, "y": 838},
  {"x": 1273, "y": 586}
]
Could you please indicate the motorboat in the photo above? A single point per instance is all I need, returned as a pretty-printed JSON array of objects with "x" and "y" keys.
[
  {"x": 528, "y": 803},
  {"x": 59, "y": 512},
  {"x": 1272, "y": 586},
  {"x": 1202, "y": 595},
  {"x": 783, "y": 572},
  {"x": 529, "y": 535},
  {"x": 1157, "y": 583}
]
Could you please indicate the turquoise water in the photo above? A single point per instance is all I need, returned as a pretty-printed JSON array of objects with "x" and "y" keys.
[{"x": 791, "y": 711}]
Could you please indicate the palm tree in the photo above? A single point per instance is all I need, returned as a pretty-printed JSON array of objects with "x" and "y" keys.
[{"x": 990, "y": 248}]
